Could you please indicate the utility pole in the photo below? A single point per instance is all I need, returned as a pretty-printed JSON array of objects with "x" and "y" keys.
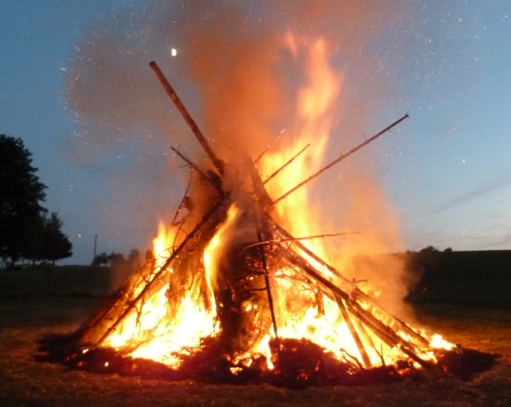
[{"x": 95, "y": 246}]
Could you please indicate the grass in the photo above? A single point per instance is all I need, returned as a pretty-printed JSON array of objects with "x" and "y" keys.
[{"x": 34, "y": 303}]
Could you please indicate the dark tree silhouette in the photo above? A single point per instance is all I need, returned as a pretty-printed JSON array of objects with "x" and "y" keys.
[
  {"x": 21, "y": 194},
  {"x": 101, "y": 259},
  {"x": 26, "y": 230},
  {"x": 54, "y": 245},
  {"x": 429, "y": 249}
]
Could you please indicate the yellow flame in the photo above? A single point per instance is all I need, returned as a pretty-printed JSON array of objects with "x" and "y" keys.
[
  {"x": 314, "y": 115},
  {"x": 160, "y": 328}
]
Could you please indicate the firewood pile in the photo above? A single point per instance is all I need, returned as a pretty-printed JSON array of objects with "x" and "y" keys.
[{"x": 258, "y": 259}]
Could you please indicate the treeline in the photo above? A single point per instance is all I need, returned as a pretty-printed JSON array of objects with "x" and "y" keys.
[
  {"x": 115, "y": 259},
  {"x": 461, "y": 277},
  {"x": 28, "y": 231}
]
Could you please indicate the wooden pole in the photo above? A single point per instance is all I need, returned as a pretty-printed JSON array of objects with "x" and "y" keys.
[
  {"x": 217, "y": 187},
  {"x": 267, "y": 283},
  {"x": 295, "y": 239},
  {"x": 267, "y": 148},
  {"x": 219, "y": 164},
  {"x": 95, "y": 247},
  {"x": 347, "y": 318},
  {"x": 286, "y": 164},
  {"x": 342, "y": 157}
]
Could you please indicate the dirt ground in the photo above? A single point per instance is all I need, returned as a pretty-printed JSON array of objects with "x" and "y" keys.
[{"x": 25, "y": 382}]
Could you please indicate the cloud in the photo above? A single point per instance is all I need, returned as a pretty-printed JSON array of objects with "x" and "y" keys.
[{"x": 502, "y": 181}]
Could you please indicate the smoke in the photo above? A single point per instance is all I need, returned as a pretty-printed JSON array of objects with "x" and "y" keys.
[{"x": 238, "y": 77}]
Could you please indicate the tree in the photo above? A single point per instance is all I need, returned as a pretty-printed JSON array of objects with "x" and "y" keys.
[
  {"x": 113, "y": 259},
  {"x": 101, "y": 259},
  {"x": 21, "y": 194},
  {"x": 53, "y": 245},
  {"x": 429, "y": 249}
]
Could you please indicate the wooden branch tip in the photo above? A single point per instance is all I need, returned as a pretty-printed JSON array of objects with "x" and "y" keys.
[
  {"x": 219, "y": 164},
  {"x": 199, "y": 171},
  {"x": 341, "y": 157},
  {"x": 286, "y": 164}
]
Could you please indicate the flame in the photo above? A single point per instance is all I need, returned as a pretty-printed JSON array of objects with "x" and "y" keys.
[
  {"x": 313, "y": 111},
  {"x": 155, "y": 330},
  {"x": 166, "y": 325},
  {"x": 438, "y": 342},
  {"x": 163, "y": 243}
]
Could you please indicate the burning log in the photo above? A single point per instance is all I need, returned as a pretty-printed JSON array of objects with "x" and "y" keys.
[
  {"x": 356, "y": 292},
  {"x": 266, "y": 279},
  {"x": 297, "y": 239},
  {"x": 351, "y": 326}
]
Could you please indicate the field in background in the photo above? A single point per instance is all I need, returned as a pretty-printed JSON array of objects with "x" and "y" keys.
[
  {"x": 458, "y": 296},
  {"x": 481, "y": 278}
]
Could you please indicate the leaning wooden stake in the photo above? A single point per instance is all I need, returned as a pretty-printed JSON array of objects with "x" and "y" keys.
[
  {"x": 296, "y": 239},
  {"x": 286, "y": 164},
  {"x": 267, "y": 148},
  {"x": 347, "y": 318},
  {"x": 218, "y": 163},
  {"x": 190, "y": 163},
  {"x": 267, "y": 280},
  {"x": 342, "y": 157}
]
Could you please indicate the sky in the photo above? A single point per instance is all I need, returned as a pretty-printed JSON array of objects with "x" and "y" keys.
[{"x": 105, "y": 155}]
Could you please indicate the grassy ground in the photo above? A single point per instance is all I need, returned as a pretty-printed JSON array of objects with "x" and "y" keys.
[{"x": 26, "y": 313}]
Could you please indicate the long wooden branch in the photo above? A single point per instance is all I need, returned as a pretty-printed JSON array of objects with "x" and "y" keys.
[
  {"x": 267, "y": 148},
  {"x": 385, "y": 333},
  {"x": 160, "y": 273},
  {"x": 342, "y": 157},
  {"x": 286, "y": 164},
  {"x": 259, "y": 228},
  {"x": 189, "y": 162},
  {"x": 347, "y": 318},
  {"x": 357, "y": 293},
  {"x": 295, "y": 239},
  {"x": 217, "y": 162}
]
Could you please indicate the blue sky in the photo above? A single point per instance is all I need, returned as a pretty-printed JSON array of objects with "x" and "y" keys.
[{"x": 447, "y": 171}]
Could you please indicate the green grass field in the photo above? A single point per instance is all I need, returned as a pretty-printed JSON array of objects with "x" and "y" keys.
[{"x": 38, "y": 302}]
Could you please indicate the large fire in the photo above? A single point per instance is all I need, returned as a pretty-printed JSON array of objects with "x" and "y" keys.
[{"x": 176, "y": 314}]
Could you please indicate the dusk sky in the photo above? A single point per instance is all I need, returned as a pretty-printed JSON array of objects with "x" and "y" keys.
[{"x": 446, "y": 171}]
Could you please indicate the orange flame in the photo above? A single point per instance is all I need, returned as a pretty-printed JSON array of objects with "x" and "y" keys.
[
  {"x": 302, "y": 310},
  {"x": 315, "y": 121}
]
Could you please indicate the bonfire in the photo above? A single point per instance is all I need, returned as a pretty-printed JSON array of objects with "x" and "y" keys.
[{"x": 231, "y": 295}]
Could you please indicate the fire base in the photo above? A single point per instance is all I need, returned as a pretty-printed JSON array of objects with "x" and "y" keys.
[{"x": 297, "y": 364}]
